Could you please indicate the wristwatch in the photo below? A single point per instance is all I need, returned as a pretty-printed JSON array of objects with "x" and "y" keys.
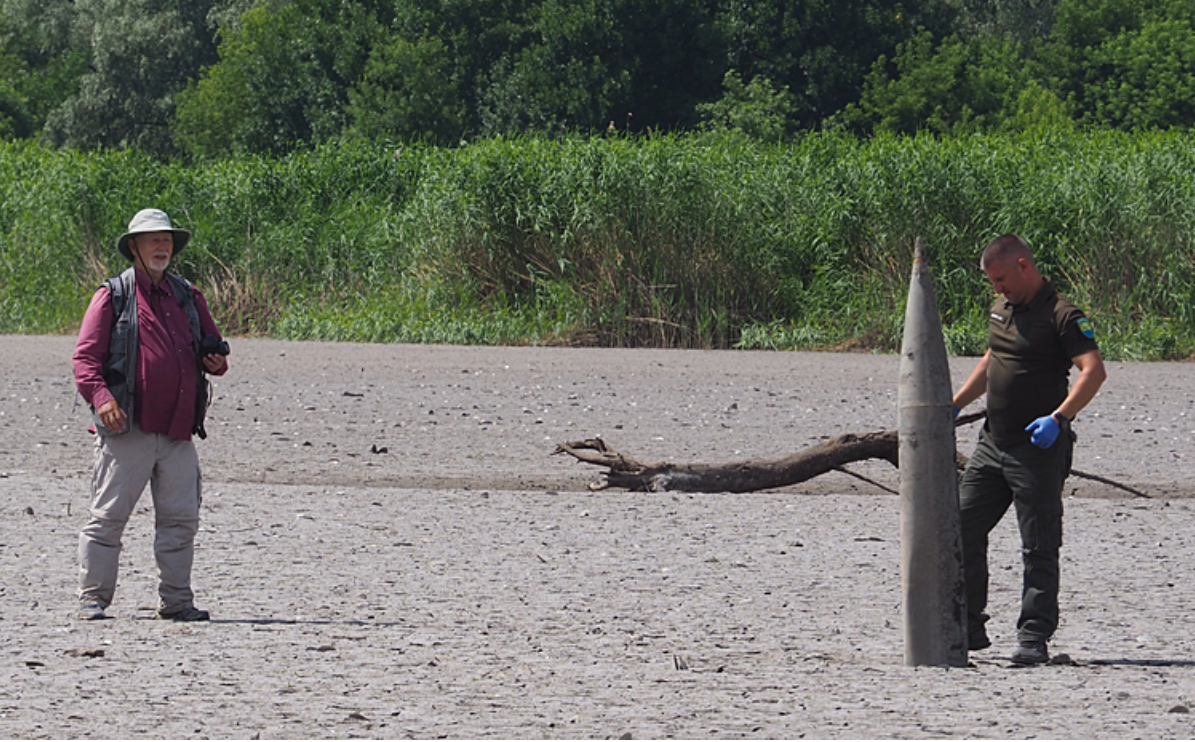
[{"x": 1061, "y": 418}]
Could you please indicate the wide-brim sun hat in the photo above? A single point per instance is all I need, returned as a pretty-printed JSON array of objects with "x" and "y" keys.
[{"x": 152, "y": 220}]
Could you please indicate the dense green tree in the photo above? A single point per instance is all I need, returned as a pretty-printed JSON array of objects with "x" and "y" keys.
[
  {"x": 1124, "y": 63},
  {"x": 40, "y": 68},
  {"x": 283, "y": 78},
  {"x": 1150, "y": 81},
  {"x": 140, "y": 54},
  {"x": 756, "y": 109},
  {"x": 480, "y": 39},
  {"x": 1084, "y": 24},
  {"x": 958, "y": 86},
  {"x": 634, "y": 64},
  {"x": 226, "y": 16},
  {"x": 821, "y": 50},
  {"x": 408, "y": 91},
  {"x": 555, "y": 64},
  {"x": 676, "y": 50},
  {"x": 1018, "y": 20},
  {"x": 569, "y": 73},
  {"x": 217, "y": 77},
  {"x": 15, "y": 119},
  {"x": 302, "y": 70}
]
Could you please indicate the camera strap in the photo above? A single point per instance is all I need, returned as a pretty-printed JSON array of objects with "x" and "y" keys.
[{"x": 184, "y": 292}]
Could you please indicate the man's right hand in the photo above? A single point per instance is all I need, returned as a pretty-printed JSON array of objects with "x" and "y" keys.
[{"x": 112, "y": 416}]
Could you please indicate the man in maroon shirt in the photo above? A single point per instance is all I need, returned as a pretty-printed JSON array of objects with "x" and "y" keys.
[{"x": 146, "y": 438}]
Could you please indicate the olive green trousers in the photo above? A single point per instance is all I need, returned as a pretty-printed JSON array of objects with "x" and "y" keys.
[{"x": 1030, "y": 479}]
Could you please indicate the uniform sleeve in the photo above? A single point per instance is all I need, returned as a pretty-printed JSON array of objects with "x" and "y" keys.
[
  {"x": 91, "y": 350},
  {"x": 207, "y": 325},
  {"x": 1075, "y": 330}
]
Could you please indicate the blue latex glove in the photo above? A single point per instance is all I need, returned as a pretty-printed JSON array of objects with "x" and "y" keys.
[{"x": 1043, "y": 431}]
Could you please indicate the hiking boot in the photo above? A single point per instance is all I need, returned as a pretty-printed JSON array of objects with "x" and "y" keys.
[
  {"x": 187, "y": 613},
  {"x": 91, "y": 611},
  {"x": 1032, "y": 652},
  {"x": 977, "y": 639}
]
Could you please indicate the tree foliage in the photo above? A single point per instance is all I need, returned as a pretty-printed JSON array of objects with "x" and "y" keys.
[
  {"x": 283, "y": 78},
  {"x": 408, "y": 90},
  {"x": 822, "y": 50},
  {"x": 1124, "y": 64},
  {"x": 956, "y": 86},
  {"x": 40, "y": 67},
  {"x": 210, "y": 78},
  {"x": 756, "y": 109},
  {"x": 1017, "y": 20},
  {"x": 139, "y": 52}
]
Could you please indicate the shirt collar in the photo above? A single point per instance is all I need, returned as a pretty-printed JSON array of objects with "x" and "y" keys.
[
  {"x": 1039, "y": 300},
  {"x": 146, "y": 285}
]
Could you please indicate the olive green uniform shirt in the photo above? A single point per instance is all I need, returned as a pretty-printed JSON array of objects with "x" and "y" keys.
[{"x": 1032, "y": 347}]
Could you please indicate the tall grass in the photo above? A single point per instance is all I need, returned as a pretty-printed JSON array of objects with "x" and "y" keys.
[{"x": 697, "y": 241}]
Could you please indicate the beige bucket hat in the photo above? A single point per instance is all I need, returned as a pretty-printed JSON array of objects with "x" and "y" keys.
[{"x": 151, "y": 220}]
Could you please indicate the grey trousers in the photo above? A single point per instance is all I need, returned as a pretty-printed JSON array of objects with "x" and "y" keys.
[{"x": 124, "y": 464}]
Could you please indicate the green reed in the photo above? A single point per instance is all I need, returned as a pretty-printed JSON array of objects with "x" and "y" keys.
[{"x": 693, "y": 241}]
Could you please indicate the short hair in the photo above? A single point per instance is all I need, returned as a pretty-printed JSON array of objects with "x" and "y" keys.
[{"x": 1006, "y": 247}]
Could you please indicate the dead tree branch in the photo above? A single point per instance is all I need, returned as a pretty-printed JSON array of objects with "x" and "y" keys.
[
  {"x": 745, "y": 476},
  {"x": 626, "y": 472}
]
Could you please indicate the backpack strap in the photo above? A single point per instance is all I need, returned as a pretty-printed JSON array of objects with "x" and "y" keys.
[
  {"x": 120, "y": 364},
  {"x": 120, "y": 288}
]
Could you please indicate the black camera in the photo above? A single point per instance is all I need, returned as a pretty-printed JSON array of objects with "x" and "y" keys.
[{"x": 213, "y": 345}]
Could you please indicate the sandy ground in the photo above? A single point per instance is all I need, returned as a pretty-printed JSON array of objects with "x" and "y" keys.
[{"x": 389, "y": 550}]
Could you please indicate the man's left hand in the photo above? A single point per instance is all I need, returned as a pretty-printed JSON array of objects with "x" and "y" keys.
[
  {"x": 213, "y": 362},
  {"x": 1043, "y": 431}
]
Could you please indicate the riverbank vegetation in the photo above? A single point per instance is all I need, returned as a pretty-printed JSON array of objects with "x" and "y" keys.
[
  {"x": 607, "y": 172},
  {"x": 712, "y": 240}
]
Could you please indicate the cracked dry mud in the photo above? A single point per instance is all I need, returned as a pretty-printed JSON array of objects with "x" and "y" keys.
[{"x": 388, "y": 550}]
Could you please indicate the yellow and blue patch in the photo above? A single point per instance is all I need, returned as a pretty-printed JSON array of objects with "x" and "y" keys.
[{"x": 1086, "y": 327}]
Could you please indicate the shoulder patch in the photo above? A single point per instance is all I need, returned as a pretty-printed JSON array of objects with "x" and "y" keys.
[{"x": 1086, "y": 328}]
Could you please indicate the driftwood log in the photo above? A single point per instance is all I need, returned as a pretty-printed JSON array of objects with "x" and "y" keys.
[{"x": 626, "y": 472}]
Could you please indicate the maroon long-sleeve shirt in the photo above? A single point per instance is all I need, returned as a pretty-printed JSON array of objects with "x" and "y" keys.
[{"x": 167, "y": 369}]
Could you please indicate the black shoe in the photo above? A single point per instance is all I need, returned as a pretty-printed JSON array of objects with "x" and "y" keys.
[
  {"x": 977, "y": 640},
  {"x": 189, "y": 613},
  {"x": 1031, "y": 653}
]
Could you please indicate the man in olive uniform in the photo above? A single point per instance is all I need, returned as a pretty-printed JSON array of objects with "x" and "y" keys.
[{"x": 1024, "y": 451}]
